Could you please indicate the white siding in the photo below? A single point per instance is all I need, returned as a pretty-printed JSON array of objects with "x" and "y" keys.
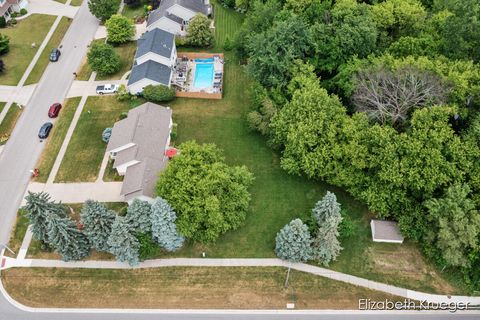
[
  {"x": 155, "y": 57},
  {"x": 181, "y": 12},
  {"x": 138, "y": 86},
  {"x": 166, "y": 24},
  {"x": 128, "y": 145},
  {"x": 123, "y": 168}
]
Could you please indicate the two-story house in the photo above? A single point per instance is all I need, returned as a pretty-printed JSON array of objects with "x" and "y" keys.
[{"x": 7, "y": 7}]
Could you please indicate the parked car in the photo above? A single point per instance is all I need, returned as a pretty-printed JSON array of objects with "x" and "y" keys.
[
  {"x": 54, "y": 55},
  {"x": 107, "y": 88},
  {"x": 45, "y": 130},
  {"x": 54, "y": 110}
]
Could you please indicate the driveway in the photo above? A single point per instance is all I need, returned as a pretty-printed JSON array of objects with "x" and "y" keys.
[
  {"x": 50, "y": 7},
  {"x": 88, "y": 88}
]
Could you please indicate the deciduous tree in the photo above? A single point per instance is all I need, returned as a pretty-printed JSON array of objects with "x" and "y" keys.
[
  {"x": 103, "y": 9},
  {"x": 120, "y": 29},
  {"x": 103, "y": 59},
  {"x": 199, "y": 33}
]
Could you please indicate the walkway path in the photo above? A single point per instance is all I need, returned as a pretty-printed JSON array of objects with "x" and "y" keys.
[
  {"x": 80, "y": 192},
  {"x": 140, "y": 28},
  {"x": 334, "y": 275},
  {"x": 13, "y": 93},
  {"x": 50, "y": 7},
  {"x": 68, "y": 136}
]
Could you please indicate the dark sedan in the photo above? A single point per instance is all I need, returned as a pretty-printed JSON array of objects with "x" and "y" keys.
[
  {"x": 54, "y": 55},
  {"x": 54, "y": 110},
  {"x": 45, "y": 130}
]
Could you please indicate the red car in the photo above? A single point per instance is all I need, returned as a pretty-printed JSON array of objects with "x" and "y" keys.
[{"x": 54, "y": 110}]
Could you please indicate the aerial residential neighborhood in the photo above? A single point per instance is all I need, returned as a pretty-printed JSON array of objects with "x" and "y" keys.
[{"x": 250, "y": 159}]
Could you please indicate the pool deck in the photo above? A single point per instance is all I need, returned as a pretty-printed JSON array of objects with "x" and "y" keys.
[{"x": 189, "y": 91}]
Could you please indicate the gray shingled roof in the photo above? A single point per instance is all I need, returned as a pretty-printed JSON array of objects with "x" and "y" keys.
[
  {"x": 147, "y": 127},
  {"x": 157, "y": 41},
  {"x": 385, "y": 231},
  {"x": 193, "y": 5},
  {"x": 150, "y": 70}
]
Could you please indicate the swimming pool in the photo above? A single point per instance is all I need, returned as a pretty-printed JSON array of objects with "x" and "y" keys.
[
  {"x": 204, "y": 60},
  {"x": 203, "y": 75}
]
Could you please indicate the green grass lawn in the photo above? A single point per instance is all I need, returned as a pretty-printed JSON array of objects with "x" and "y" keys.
[
  {"x": 54, "y": 42},
  {"x": 133, "y": 13},
  {"x": 125, "y": 51},
  {"x": 86, "y": 149},
  {"x": 31, "y": 30},
  {"x": 61, "y": 1},
  {"x": 111, "y": 174},
  {"x": 54, "y": 142},
  {"x": 18, "y": 233},
  {"x": 76, "y": 3},
  {"x": 182, "y": 287},
  {"x": 8, "y": 123}
]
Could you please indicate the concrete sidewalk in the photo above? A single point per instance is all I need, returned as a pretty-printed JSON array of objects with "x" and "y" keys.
[
  {"x": 176, "y": 262},
  {"x": 140, "y": 29},
  {"x": 20, "y": 95},
  {"x": 80, "y": 192}
]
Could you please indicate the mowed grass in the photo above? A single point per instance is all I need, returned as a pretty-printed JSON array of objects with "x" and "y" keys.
[
  {"x": 126, "y": 52},
  {"x": 8, "y": 123},
  {"x": 55, "y": 140},
  {"x": 54, "y": 42},
  {"x": 182, "y": 287},
  {"x": 227, "y": 23},
  {"x": 30, "y": 30},
  {"x": 76, "y": 3},
  {"x": 133, "y": 13},
  {"x": 86, "y": 148},
  {"x": 18, "y": 233}
]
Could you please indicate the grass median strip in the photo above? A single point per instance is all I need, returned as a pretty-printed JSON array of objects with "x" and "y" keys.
[
  {"x": 54, "y": 42},
  {"x": 32, "y": 29},
  {"x": 8, "y": 123},
  {"x": 54, "y": 142},
  {"x": 182, "y": 287},
  {"x": 86, "y": 148},
  {"x": 16, "y": 238}
]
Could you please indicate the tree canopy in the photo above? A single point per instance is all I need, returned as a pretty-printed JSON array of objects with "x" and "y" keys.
[{"x": 120, "y": 29}]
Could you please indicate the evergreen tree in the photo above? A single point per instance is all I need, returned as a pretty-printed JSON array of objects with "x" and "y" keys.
[
  {"x": 326, "y": 213},
  {"x": 64, "y": 236},
  {"x": 38, "y": 207},
  {"x": 123, "y": 244},
  {"x": 293, "y": 242},
  {"x": 164, "y": 230},
  {"x": 97, "y": 222},
  {"x": 138, "y": 216}
]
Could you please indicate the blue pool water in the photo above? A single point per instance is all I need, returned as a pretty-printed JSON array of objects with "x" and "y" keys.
[
  {"x": 204, "y": 60},
  {"x": 203, "y": 75}
]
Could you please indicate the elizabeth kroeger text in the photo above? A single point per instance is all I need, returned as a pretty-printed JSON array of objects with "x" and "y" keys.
[{"x": 409, "y": 304}]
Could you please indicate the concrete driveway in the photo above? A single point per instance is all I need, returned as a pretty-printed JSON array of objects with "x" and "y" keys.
[{"x": 50, "y": 7}]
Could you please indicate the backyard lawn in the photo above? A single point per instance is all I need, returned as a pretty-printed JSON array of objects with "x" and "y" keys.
[
  {"x": 54, "y": 42},
  {"x": 181, "y": 287},
  {"x": 133, "y": 13},
  {"x": 31, "y": 30},
  {"x": 125, "y": 51},
  {"x": 86, "y": 149},
  {"x": 8, "y": 123},
  {"x": 50, "y": 152}
]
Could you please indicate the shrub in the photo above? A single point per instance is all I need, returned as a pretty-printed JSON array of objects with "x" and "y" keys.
[
  {"x": 148, "y": 247},
  {"x": 23, "y": 11},
  {"x": 106, "y": 134},
  {"x": 122, "y": 93},
  {"x": 4, "y": 44},
  {"x": 2, "y": 66},
  {"x": 3, "y": 22},
  {"x": 347, "y": 227},
  {"x": 123, "y": 115},
  {"x": 227, "y": 46},
  {"x": 103, "y": 59},
  {"x": 159, "y": 93},
  {"x": 13, "y": 15},
  {"x": 199, "y": 33}
]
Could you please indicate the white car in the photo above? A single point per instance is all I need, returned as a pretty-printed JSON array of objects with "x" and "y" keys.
[{"x": 107, "y": 88}]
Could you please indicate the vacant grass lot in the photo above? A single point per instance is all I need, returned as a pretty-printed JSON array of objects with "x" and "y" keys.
[
  {"x": 86, "y": 148},
  {"x": 50, "y": 152},
  {"x": 8, "y": 123},
  {"x": 181, "y": 287},
  {"x": 125, "y": 51},
  {"x": 54, "y": 42},
  {"x": 31, "y": 30}
]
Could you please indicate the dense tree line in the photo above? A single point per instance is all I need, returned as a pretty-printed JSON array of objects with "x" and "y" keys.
[{"x": 381, "y": 98}]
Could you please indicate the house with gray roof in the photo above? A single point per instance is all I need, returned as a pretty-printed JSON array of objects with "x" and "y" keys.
[
  {"x": 155, "y": 57},
  {"x": 174, "y": 15},
  {"x": 138, "y": 144}
]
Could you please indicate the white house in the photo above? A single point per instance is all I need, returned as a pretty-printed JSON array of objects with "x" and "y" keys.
[
  {"x": 154, "y": 60},
  {"x": 138, "y": 144},
  {"x": 7, "y": 7},
  {"x": 174, "y": 15}
]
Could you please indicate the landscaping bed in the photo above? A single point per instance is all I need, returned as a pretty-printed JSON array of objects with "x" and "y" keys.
[
  {"x": 182, "y": 287},
  {"x": 54, "y": 42},
  {"x": 59, "y": 131},
  {"x": 32, "y": 29}
]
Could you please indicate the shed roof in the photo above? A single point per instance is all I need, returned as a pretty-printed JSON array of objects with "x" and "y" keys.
[{"x": 386, "y": 231}]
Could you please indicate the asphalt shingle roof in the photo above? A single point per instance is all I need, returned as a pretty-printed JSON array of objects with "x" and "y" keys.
[
  {"x": 157, "y": 41},
  {"x": 193, "y": 5},
  {"x": 150, "y": 70}
]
